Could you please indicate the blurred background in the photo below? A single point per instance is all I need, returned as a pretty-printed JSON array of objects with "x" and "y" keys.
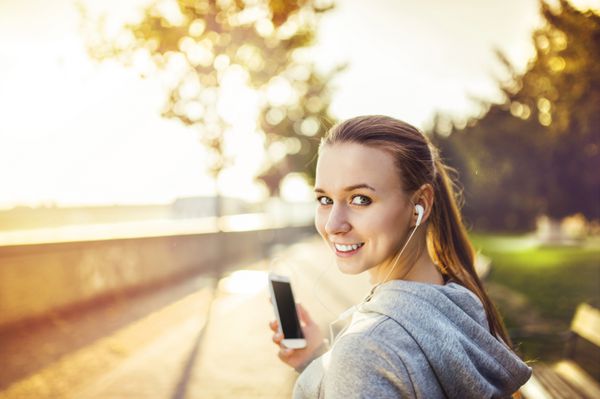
[{"x": 157, "y": 160}]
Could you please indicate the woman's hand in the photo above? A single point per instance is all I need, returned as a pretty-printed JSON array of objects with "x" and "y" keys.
[{"x": 312, "y": 333}]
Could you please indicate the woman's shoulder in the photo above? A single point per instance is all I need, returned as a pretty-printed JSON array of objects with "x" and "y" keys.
[
  {"x": 401, "y": 315},
  {"x": 366, "y": 348},
  {"x": 407, "y": 302},
  {"x": 358, "y": 365},
  {"x": 369, "y": 326},
  {"x": 378, "y": 335},
  {"x": 362, "y": 361}
]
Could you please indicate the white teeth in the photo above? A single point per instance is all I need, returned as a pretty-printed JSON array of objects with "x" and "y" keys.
[{"x": 347, "y": 248}]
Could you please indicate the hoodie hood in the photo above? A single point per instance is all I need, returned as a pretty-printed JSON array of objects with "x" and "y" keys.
[{"x": 448, "y": 323}]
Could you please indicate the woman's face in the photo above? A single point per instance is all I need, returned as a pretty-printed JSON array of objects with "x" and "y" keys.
[{"x": 362, "y": 212}]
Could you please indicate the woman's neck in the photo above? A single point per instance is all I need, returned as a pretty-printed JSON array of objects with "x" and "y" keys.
[
  {"x": 418, "y": 267},
  {"x": 425, "y": 271}
]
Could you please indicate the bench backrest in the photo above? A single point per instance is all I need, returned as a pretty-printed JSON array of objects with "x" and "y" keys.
[{"x": 586, "y": 323}]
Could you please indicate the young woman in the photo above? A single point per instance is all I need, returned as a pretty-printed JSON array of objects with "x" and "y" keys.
[{"x": 386, "y": 205}]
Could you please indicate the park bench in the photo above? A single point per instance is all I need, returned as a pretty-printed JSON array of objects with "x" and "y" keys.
[{"x": 567, "y": 378}]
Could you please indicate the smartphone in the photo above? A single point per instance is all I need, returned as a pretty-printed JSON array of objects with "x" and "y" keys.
[{"x": 285, "y": 311}]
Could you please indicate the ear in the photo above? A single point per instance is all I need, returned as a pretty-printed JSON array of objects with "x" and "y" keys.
[{"x": 424, "y": 197}]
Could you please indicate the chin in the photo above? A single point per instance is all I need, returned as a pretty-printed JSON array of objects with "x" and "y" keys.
[{"x": 349, "y": 268}]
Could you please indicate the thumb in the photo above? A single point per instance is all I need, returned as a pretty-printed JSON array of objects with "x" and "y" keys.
[{"x": 304, "y": 316}]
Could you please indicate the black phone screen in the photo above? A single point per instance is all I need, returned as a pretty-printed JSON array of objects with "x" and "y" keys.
[{"x": 287, "y": 310}]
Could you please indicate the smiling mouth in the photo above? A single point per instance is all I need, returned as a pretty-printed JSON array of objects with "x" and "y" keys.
[{"x": 342, "y": 249}]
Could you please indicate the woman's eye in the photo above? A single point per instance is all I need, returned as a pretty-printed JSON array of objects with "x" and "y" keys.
[
  {"x": 361, "y": 200},
  {"x": 324, "y": 200}
]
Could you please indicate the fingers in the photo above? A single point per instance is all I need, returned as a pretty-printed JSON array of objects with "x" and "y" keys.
[
  {"x": 284, "y": 353},
  {"x": 277, "y": 337}
]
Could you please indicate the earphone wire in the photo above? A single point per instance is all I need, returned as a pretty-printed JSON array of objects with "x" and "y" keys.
[{"x": 398, "y": 258}]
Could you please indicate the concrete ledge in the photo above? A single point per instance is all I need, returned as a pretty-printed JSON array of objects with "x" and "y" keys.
[{"x": 39, "y": 277}]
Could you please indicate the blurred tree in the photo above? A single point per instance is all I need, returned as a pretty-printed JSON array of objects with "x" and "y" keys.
[
  {"x": 562, "y": 90},
  {"x": 295, "y": 130},
  {"x": 257, "y": 44},
  {"x": 538, "y": 152}
]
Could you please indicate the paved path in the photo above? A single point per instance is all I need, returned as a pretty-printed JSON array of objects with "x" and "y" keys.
[{"x": 210, "y": 340}]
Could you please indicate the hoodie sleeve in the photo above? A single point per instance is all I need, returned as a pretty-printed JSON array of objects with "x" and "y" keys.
[{"x": 362, "y": 367}]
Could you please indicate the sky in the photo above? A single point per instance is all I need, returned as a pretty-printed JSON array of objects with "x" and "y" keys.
[
  {"x": 409, "y": 59},
  {"x": 76, "y": 132}
]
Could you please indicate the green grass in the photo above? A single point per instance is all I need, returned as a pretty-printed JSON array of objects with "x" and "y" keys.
[{"x": 553, "y": 279}]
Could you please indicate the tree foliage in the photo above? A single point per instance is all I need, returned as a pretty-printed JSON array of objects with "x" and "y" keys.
[
  {"x": 262, "y": 42},
  {"x": 538, "y": 152}
]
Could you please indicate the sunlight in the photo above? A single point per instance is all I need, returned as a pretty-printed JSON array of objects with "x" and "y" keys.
[
  {"x": 239, "y": 182},
  {"x": 244, "y": 282},
  {"x": 279, "y": 91},
  {"x": 56, "y": 140},
  {"x": 243, "y": 222},
  {"x": 294, "y": 188},
  {"x": 237, "y": 102},
  {"x": 131, "y": 127}
]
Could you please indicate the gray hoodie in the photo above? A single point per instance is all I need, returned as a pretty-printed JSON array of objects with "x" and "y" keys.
[{"x": 415, "y": 340}]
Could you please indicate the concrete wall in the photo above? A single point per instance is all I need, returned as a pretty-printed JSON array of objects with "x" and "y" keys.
[{"x": 41, "y": 277}]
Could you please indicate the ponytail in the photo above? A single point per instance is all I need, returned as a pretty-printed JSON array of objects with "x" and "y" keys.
[{"x": 449, "y": 245}]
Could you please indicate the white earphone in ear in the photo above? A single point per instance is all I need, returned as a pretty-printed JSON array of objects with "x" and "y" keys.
[{"x": 420, "y": 210}]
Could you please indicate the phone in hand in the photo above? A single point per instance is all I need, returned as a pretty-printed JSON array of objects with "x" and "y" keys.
[{"x": 285, "y": 311}]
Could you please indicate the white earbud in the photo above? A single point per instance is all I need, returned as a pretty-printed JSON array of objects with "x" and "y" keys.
[{"x": 420, "y": 210}]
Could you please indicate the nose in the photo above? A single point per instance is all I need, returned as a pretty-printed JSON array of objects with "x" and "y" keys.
[{"x": 337, "y": 221}]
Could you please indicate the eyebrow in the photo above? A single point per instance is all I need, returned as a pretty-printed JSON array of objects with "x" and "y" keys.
[{"x": 349, "y": 188}]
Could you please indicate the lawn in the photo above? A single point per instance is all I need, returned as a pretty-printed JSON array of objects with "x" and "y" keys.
[{"x": 554, "y": 280}]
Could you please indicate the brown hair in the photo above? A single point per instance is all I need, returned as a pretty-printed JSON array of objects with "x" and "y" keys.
[{"x": 418, "y": 162}]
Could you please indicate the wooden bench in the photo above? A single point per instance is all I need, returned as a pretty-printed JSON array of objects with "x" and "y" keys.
[{"x": 566, "y": 378}]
